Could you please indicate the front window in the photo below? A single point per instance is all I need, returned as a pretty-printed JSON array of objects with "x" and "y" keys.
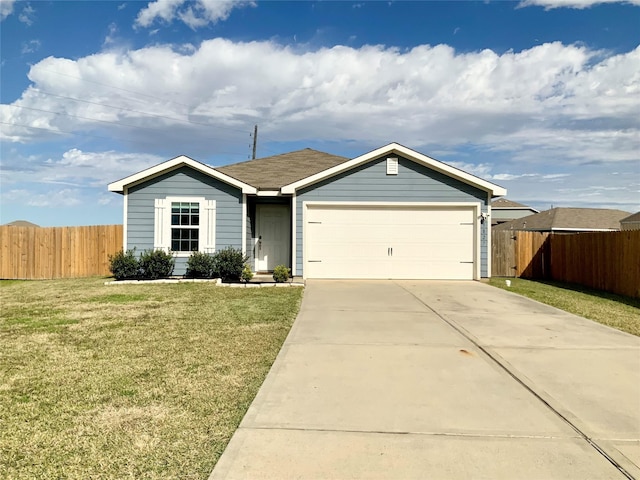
[{"x": 185, "y": 226}]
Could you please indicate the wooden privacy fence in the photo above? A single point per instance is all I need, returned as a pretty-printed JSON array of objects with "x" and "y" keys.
[
  {"x": 57, "y": 252},
  {"x": 603, "y": 260},
  {"x": 607, "y": 261},
  {"x": 520, "y": 254}
]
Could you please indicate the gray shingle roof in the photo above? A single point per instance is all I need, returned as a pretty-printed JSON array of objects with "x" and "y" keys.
[
  {"x": 506, "y": 203},
  {"x": 568, "y": 218},
  {"x": 634, "y": 218},
  {"x": 271, "y": 173}
]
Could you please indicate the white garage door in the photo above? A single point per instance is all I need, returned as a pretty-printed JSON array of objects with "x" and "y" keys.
[{"x": 389, "y": 242}]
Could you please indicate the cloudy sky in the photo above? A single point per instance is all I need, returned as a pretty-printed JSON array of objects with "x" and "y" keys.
[{"x": 539, "y": 96}]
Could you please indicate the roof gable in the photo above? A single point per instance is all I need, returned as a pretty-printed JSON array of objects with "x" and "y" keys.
[
  {"x": 288, "y": 172},
  {"x": 397, "y": 149},
  {"x": 577, "y": 219},
  {"x": 173, "y": 164}
]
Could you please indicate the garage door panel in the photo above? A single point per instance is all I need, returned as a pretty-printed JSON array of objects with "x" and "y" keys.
[
  {"x": 389, "y": 242},
  {"x": 355, "y": 268},
  {"x": 433, "y": 271}
]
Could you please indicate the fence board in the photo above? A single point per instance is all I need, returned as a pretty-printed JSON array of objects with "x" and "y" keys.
[
  {"x": 608, "y": 261},
  {"x": 533, "y": 256},
  {"x": 503, "y": 253},
  {"x": 57, "y": 252}
]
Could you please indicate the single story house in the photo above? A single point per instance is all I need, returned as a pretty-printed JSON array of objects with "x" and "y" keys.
[
  {"x": 568, "y": 220},
  {"x": 632, "y": 222},
  {"x": 505, "y": 210},
  {"x": 390, "y": 213}
]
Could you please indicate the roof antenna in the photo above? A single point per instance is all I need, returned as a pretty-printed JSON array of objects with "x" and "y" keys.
[{"x": 255, "y": 141}]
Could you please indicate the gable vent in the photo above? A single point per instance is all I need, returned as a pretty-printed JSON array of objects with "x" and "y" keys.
[{"x": 392, "y": 166}]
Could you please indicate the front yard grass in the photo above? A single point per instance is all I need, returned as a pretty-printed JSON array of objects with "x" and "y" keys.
[
  {"x": 130, "y": 381},
  {"x": 616, "y": 311}
]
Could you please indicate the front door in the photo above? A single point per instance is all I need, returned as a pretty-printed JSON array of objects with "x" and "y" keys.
[{"x": 273, "y": 236}]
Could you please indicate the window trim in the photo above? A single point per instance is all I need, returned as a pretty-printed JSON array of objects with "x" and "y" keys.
[{"x": 206, "y": 229}]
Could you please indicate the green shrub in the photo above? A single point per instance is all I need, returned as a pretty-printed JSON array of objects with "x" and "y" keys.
[
  {"x": 156, "y": 264},
  {"x": 124, "y": 265},
  {"x": 229, "y": 263},
  {"x": 200, "y": 265},
  {"x": 281, "y": 273},
  {"x": 246, "y": 274}
]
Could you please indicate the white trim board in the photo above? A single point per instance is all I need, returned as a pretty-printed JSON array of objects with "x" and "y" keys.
[
  {"x": 125, "y": 210},
  {"x": 294, "y": 245},
  {"x": 244, "y": 224}
]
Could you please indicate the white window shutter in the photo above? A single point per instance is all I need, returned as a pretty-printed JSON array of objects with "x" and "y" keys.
[
  {"x": 161, "y": 225},
  {"x": 208, "y": 227}
]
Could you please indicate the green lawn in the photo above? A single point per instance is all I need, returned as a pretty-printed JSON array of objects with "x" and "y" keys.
[
  {"x": 130, "y": 381},
  {"x": 616, "y": 311}
]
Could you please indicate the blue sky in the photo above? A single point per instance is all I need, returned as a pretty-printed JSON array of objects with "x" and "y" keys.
[{"x": 539, "y": 96}]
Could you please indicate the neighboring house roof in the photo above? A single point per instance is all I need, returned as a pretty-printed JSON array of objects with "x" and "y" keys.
[
  {"x": 511, "y": 205},
  {"x": 632, "y": 222},
  {"x": 568, "y": 219},
  {"x": 271, "y": 173},
  {"x": 288, "y": 172},
  {"x": 633, "y": 218},
  {"x": 20, "y": 223}
]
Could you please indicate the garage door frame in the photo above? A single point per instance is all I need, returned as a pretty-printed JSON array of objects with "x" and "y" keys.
[{"x": 475, "y": 206}]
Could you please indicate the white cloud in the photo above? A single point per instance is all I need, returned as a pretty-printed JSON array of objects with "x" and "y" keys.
[
  {"x": 509, "y": 176},
  {"x": 110, "y": 39},
  {"x": 75, "y": 168},
  {"x": 195, "y": 14},
  {"x": 547, "y": 107},
  {"x": 6, "y": 8},
  {"x": 27, "y": 15},
  {"x": 67, "y": 197},
  {"x": 30, "y": 47},
  {"x": 578, "y": 4},
  {"x": 550, "y": 97},
  {"x": 94, "y": 168}
]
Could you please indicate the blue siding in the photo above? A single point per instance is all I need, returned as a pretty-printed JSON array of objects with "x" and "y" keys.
[
  {"x": 370, "y": 183},
  {"x": 183, "y": 182}
]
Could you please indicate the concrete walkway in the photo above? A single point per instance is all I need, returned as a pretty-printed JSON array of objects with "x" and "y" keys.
[{"x": 419, "y": 379}]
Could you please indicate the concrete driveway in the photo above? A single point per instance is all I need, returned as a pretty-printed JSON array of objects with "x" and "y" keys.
[{"x": 420, "y": 379}]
